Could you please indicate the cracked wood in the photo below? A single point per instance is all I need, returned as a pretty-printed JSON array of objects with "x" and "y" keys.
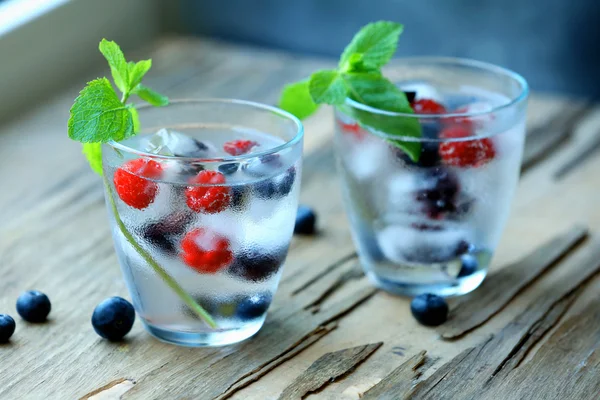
[
  {"x": 328, "y": 368},
  {"x": 473, "y": 370},
  {"x": 501, "y": 287}
]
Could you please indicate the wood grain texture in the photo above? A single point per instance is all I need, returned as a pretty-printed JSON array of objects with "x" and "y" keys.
[
  {"x": 399, "y": 381},
  {"x": 565, "y": 367},
  {"x": 327, "y": 368},
  {"x": 54, "y": 237},
  {"x": 544, "y": 140},
  {"x": 501, "y": 287},
  {"x": 467, "y": 375}
]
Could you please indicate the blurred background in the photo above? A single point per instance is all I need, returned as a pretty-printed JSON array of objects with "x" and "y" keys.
[
  {"x": 551, "y": 42},
  {"x": 44, "y": 44}
]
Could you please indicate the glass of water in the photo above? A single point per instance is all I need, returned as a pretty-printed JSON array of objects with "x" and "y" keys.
[
  {"x": 432, "y": 225},
  {"x": 202, "y": 205}
]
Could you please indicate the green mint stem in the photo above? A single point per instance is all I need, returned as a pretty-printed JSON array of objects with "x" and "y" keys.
[{"x": 187, "y": 299}]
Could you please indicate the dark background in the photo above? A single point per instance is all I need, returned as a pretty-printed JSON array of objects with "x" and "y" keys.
[{"x": 553, "y": 43}]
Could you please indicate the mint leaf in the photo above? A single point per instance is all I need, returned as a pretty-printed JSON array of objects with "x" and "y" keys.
[
  {"x": 327, "y": 86},
  {"x": 135, "y": 118},
  {"x": 372, "y": 47},
  {"x": 151, "y": 96},
  {"x": 137, "y": 71},
  {"x": 93, "y": 153},
  {"x": 118, "y": 66},
  {"x": 376, "y": 91},
  {"x": 98, "y": 115},
  {"x": 296, "y": 99}
]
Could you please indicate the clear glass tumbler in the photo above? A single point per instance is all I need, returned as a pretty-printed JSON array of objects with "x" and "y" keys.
[
  {"x": 202, "y": 206},
  {"x": 432, "y": 226}
]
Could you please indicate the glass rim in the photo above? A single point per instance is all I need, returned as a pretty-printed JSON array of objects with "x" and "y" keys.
[
  {"x": 482, "y": 65},
  {"x": 216, "y": 100}
]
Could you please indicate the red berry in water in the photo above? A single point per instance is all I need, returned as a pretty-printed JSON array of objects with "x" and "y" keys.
[
  {"x": 466, "y": 153},
  {"x": 206, "y": 251},
  {"x": 211, "y": 196},
  {"x": 239, "y": 147},
  {"x": 428, "y": 106},
  {"x": 353, "y": 129},
  {"x": 132, "y": 182}
]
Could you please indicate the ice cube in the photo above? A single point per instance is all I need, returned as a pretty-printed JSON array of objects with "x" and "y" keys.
[
  {"x": 170, "y": 142},
  {"x": 372, "y": 157},
  {"x": 401, "y": 244}
]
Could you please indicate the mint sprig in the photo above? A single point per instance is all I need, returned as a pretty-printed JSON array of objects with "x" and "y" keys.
[
  {"x": 99, "y": 115},
  {"x": 359, "y": 78}
]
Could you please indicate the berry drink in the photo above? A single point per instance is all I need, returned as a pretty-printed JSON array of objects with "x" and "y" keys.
[
  {"x": 431, "y": 225},
  {"x": 209, "y": 191}
]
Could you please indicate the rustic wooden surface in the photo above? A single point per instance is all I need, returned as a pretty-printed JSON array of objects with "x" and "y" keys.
[{"x": 54, "y": 237}]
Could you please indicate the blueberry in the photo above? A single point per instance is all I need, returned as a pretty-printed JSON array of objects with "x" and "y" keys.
[
  {"x": 33, "y": 306},
  {"x": 440, "y": 196},
  {"x": 7, "y": 327},
  {"x": 287, "y": 182},
  {"x": 162, "y": 234},
  {"x": 240, "y": 195},
  {"x": 429, "y": 156},
  {"x": 469, "y": 265},
  {"x": 429, "y": 309},
  {"x": 306, "y": 220},
  {"x": 276, "y": 187},
  {"x": 113, "y": 318},
  {"x": 252, "y": 307},
  {"x": 257, "y": 266},
  {"x": 410, "y": 95},
  {"x": 266, "y": 189},
  {"x": 229, "y": 168}
]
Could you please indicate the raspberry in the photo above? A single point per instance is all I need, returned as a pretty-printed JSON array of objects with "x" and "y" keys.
[
  {"x": 239, "y": 147},
  {"x": 353, "y": 129},
  {"x": 206, "y": 251},
  {"x": 131, "y": 183},
  {"x": 468, "y": 153},
  {"x": 428, "y": 106},
  {"x": 208, "y": 199}
]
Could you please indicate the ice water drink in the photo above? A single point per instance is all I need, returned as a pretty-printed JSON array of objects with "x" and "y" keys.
[
  {"x": 210, "y": 192},
  {"x": 432, "y": 225}
]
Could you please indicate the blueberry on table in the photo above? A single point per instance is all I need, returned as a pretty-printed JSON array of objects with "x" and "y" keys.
[
  {"x": 469, "y": 265},
  {"x": 33, "y": 306},
  {"x": 7, "y": 327},
  {"x": 429, "y": 309},
  {"x": 113, "y": 318},
  {"x": 254, "y": 306},
  {"x": 306, "y": 221}
]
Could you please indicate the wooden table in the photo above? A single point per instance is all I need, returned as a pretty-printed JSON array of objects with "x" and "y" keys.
[{"x": 54, "y": 237}]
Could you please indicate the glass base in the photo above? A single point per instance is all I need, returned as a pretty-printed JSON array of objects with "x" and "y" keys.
[
  {"x": 457, "y": 287},
  {"x": 204, "y": 339}
]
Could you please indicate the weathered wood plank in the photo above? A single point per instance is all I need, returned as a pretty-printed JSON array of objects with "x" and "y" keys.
[
  {"x": 263, "y": 370},
  {"x": 399, "y": 381},
  {"x": 543, "y": 140},
  {"x": 501, "y": 287},
  {"x": 328, "y": 368},
  {"x": 465, "y": 376},
  {"x": 565, "y": 367}
]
